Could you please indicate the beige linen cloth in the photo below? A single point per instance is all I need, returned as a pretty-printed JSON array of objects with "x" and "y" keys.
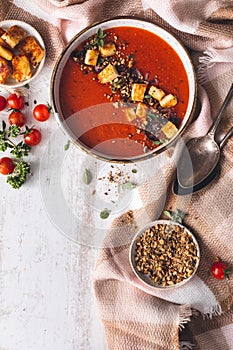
[{"x": 198, "y": 315}]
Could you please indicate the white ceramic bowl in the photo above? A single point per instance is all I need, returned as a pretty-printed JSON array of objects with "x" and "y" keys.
[
  {"x": 119, "y": 22},
  {"x": 145, "y": 277},
  {"x": 10, "y": 82}
]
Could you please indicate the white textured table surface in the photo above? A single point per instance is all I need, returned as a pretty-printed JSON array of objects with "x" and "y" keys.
[
  {"x": 50, "y": 237},
  {"x": 46, "y": 299}
]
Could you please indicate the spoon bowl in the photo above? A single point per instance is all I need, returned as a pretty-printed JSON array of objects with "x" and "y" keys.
[
  {"x": 200, "y": 155},
  {"x": 201, "y": 164},
  {"x": 182, "y": 191}
]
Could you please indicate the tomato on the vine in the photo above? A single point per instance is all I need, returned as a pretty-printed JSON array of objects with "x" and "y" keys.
[
  {"x": 6, "y": 166},
  {"x": 15, "y": 101},
  {"x": 32, "y": 137},
  {"x": 2, "y": 103},
  {"x": 219, "y": 270},
  {"x": 41, "y": 112},
  {"x": 17, "y": 118}
]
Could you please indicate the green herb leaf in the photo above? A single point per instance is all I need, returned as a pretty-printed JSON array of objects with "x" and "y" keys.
[
  {"x": 13, "y": 131},
  {"x": 96, "y": 41},
  {"x": 147, "y": 96},
  {"x": 177, "y": 215},
  {"x": 19, "y": 175},
  {"x": 28, "y": 130},
  {"x": 153, "y": 116},
  {"x": 163, "y": 140},
  {"x": 104, "y": 214},
  {"x": 27, "y": 86},
  {"x": 101, "y": 33},
  {"x": 128, "y": 185},
  {"x": 3, "y": 125},
  {"x": 87, "y": 177},
  {"x": 134, "y": 171},
  {"x": 101, "y": 42},
  {"x": 3, "y": 145},
  {"x": 67, "y": 145},
  {"x": 157, "y": 142},
  {"x": 49, "y": 107},
  {"x": 20, "y": 150}
]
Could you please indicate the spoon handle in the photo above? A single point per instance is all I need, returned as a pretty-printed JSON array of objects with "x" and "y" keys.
[
  {"x": 226, "y": 137},
  {"x": 213, "y": 128}
]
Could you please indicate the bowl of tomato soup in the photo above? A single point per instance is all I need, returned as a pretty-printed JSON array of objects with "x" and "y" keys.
[{"x": 124, "y": 89}]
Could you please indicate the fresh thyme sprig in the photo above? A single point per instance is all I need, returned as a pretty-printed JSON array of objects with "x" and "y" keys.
[
  {"x": 20, "y": 174},
  {"x": 99, "y": 40},
  {"x": 18, "y": 151}
]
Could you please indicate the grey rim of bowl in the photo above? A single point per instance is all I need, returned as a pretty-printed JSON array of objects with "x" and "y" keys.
[
  {"x": 145, "y": 278},
  {"x": 68, "y": 132}
]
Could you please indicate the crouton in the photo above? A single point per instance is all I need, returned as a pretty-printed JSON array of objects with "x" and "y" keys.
[
  {"x": 30, "y": 47},
  {"x": 13, "y": 36},
  {"x": 5, "y": 53},
  {"x": 5, "y": 70},
  {"x": 108, "y": 74},
  {"x": 169, "y": 130},
  {"x": 91, "y": 57},
  {"x": 21, "y": 68},
  {"x": 156, "y": 93},
  {"x": 141, "y": 110},
  {"x": 2, "y": 42},
  {"x": 168, "y": 101},
  {"x": 107, "y": 50},
  {"x": 130, "y": 114},
  {"x": 138, "y": 92}
]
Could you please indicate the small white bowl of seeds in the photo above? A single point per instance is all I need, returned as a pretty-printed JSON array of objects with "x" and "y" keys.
[{"x": 164, "y": 254}]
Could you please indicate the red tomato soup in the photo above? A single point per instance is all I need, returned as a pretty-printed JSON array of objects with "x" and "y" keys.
[{"x": 124, "y": 92}]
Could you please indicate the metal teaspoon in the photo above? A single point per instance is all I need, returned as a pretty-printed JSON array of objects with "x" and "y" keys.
[{"x": 201, "y": 154}]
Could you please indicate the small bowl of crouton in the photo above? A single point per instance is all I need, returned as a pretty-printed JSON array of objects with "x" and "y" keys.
[
  {"x": 164, "y": 254},
  {"x": 22, "y": 53}
]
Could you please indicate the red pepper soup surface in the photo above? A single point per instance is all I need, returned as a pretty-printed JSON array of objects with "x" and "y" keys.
[{"x": 124, "y": 92}]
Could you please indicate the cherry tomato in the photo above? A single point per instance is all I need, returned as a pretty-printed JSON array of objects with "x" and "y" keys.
[
  {"x": 15, "y": 101},
  {"x": 17, "y": 118},
  {"x": 41, "y": 112},
  {"x": 6, "y": 166},
  {"x": 219, "y": 270},
  {"x": 2, "y": 103},
  {"x": 33, "y": 137}
]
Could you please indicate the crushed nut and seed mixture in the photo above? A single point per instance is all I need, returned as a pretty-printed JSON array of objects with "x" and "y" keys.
[{"x": 166, "y": 253}]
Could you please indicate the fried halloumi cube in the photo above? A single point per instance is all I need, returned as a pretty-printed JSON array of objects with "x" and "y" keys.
[
  {"x": 138, "y": 92},
  {"x": 156, "y": 93},
  {"x": 5, "y": 70},
  {"x": 13, "y": 36},
  {"x": 107, "y": 50},
  {"x": 130, "y": 114},
  {"x": 91, "y": 57},
  {"x": 5, "y": 53},
  {"x": 30, "y": 47},
  {"x": 2, "y": 42},
  {"x": 108, "y": 74},
  {"x": 21, "y": 68},
  {"x": 168, "y": 101},
  {"x": 141, "y": 111},
  {"x": 169, "y": 130}
]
